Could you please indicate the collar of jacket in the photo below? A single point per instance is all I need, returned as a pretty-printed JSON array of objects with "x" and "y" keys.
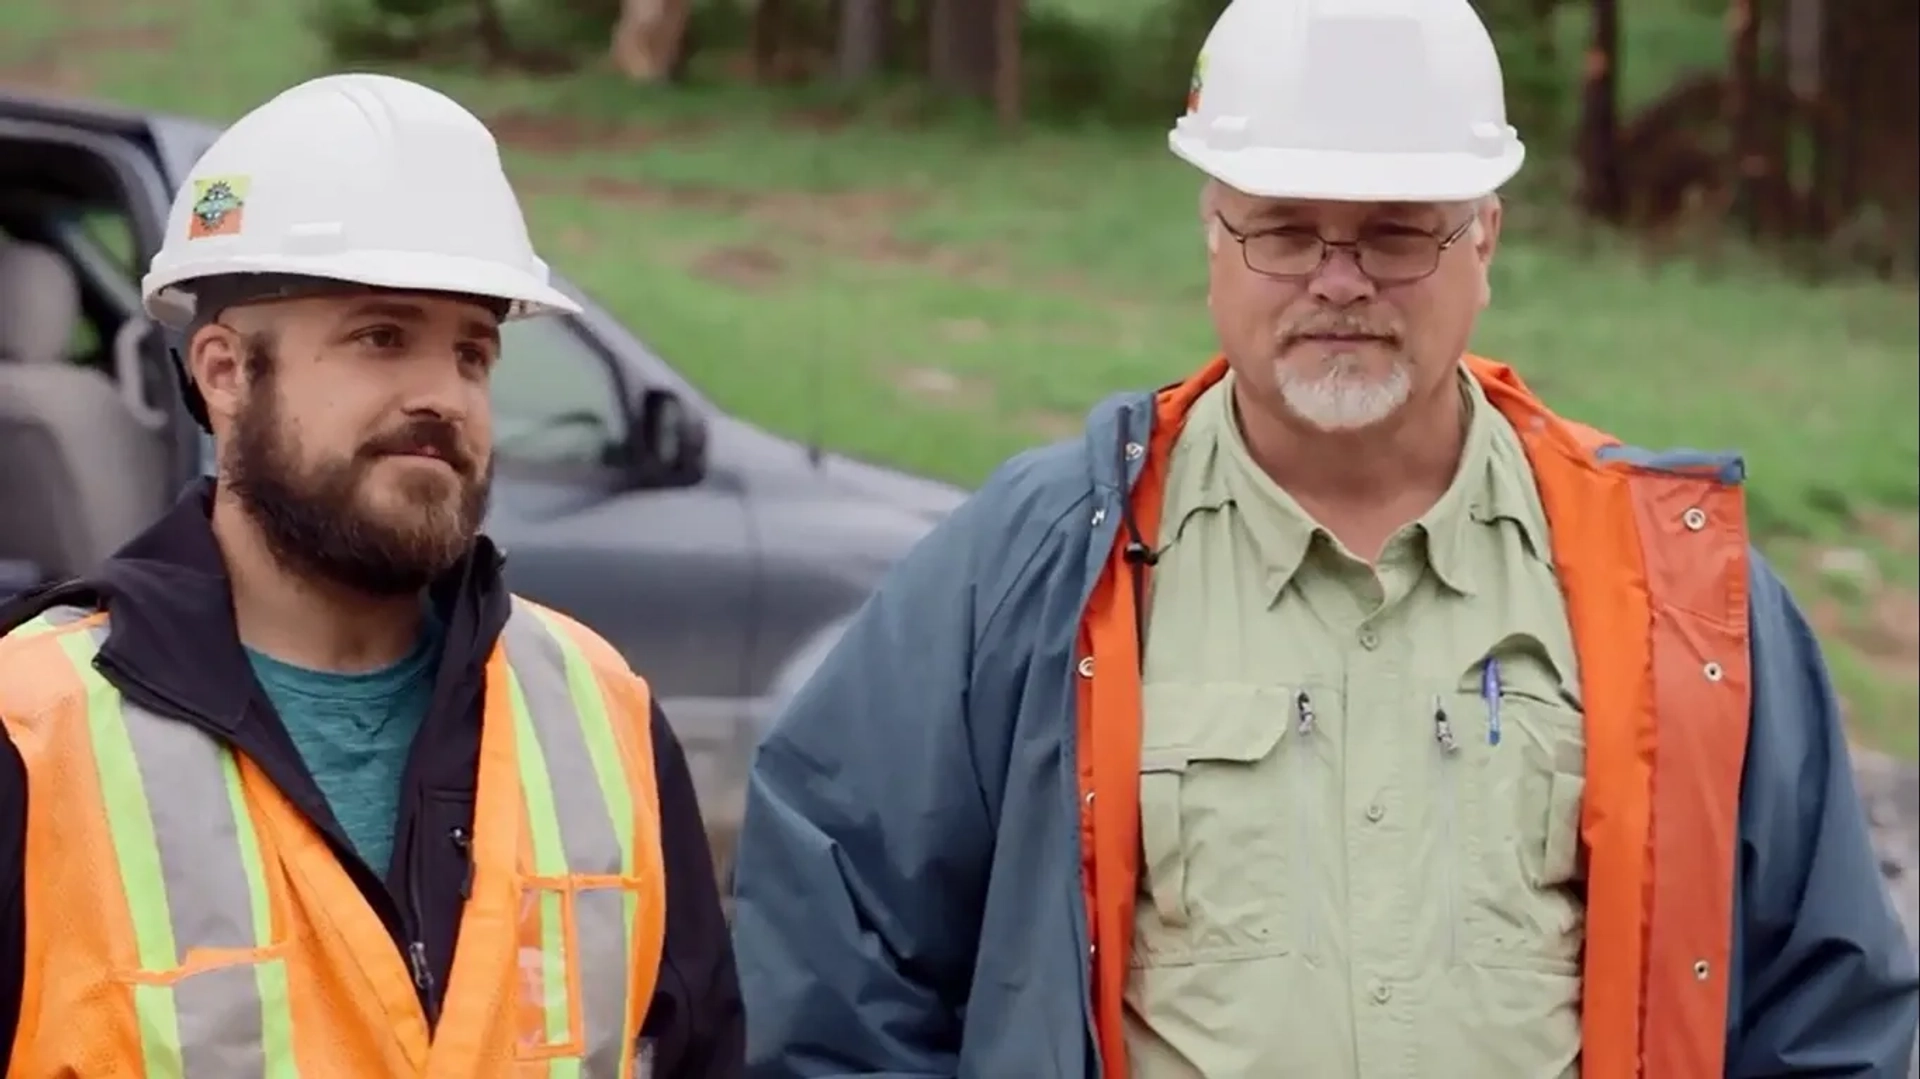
[{"x": 172, "y": 613}]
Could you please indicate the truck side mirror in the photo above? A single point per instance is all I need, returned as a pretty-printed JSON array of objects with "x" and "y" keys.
[{"x": 666, "y": 442}]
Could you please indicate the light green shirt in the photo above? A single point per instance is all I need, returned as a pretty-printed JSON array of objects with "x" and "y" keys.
[{"x": 1352, "y": 865}]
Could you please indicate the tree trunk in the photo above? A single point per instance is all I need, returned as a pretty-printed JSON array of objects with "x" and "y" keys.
[
  {"x": 648, "y": 36},
  {"x": 1803, "y": 46},
  {"x": 960, "y": 46},
  {"x": 862, "y": 41},
  {"x": 1602, "y": 195},
  {"x": 1747, "y": 159},
  {"x": 492, "y": 28},
  {"x": 763, "y": 37},
  {"x": 1008, "y": 103}
]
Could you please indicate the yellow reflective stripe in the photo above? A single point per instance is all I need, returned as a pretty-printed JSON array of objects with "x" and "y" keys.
[
  {"x": 137, "y": 853},
  {"x": 602, "y": 745},
  {"x": 195, "y": 879},
  {"x": 591, "y": 913},
  {"x": 276, "y": 996},
  {"x": 549, "y": 860},
  {"x": 575, "y": 777}
]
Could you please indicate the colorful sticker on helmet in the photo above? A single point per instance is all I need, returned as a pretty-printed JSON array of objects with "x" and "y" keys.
[
  {"x": 1199, "y": 79},
  {"x": 219, "y": 205}
]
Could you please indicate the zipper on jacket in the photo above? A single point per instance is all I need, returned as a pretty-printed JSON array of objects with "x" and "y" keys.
[
  {"x": 1305, "y": 720},
  {"x": 1448, "y": 780},
  {"x": 416, "y": 918},
  {"x": 463, "y": 843}
]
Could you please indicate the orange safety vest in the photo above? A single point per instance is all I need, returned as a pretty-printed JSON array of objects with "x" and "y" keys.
[
  {"x": 1654, "y": 566},
  {"x": 184, "y": 919}
]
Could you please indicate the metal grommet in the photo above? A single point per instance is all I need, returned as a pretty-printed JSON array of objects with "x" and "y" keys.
[
  {"x": 1695, "y": 518},
  {"x": 1085, "y": 667},
  {"x": 1713, "y": 672},
  {"x": 1701, "y": 970},
  {"x": 1134, "y": 450},
  {"x": 1099, "y": 516}
]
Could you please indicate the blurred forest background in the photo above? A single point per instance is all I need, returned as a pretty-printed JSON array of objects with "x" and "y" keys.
[{"x": 932, "y": 232}]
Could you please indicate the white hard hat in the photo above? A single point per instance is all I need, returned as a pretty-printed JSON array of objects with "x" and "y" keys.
[
  {"x": 1350, "y": 100},
  {"x": 362, "y": 179}
]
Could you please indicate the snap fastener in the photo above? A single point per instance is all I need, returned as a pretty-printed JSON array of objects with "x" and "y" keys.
[
  {"x": 1382, "y": 994},
  {"x": 1099, "y": 515},
  {"x": 1089, "y": 798},
  {"x": 1712, "y": 672},
  {"x": 1375, "y": 812},
  {"x": 1134, "y": 450},
  {"x": 1701, "y": 970},
  {"x": 1695, "y": 519},
  {"x": 1085, "y": 666},
  {"x": 1369, "y": 640}
]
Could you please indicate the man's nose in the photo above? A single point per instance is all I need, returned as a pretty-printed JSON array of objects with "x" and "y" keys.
[
  {"x": 438, "y": 385},
  {"x": 1339, "y": 281}
]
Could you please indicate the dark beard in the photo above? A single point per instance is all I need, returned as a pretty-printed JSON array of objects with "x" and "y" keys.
[{"x": 312, "y": 518}]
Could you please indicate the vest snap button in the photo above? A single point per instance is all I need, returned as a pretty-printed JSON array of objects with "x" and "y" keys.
[
  {"x": 1085, "y": 667},
  {"x": 1099, "y": 515},
  {"x": 1695, "y": 518},
  {"x": 1713, "y": 672},
  {"x": 1134, "y": 450},
  {"x": 1701, "y": 970}
]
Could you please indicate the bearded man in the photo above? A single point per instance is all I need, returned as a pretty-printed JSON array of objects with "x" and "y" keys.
[{"x": 267, "y": 765}]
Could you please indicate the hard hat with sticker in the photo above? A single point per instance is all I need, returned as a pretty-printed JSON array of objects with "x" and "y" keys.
[
  {"x": 367, "y": 180},
  {"x": 219, "y": 207}
]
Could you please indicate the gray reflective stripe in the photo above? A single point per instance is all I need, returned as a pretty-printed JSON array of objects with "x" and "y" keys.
[
  {"x": 193, "y": 825},
  {"x": 600, "y": 925},
  {"x": 587, "y": 835},
  {"x": 586, "y": 829},
  {"x": 190, "y": 865},
  {"x": 208, "y": 900},
  {"x": 220, "y": 1028}
]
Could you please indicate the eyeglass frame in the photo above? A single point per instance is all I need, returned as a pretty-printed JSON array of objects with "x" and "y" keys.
[{"x": 1328, "y": 247}]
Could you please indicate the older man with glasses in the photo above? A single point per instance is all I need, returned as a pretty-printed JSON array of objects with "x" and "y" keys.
[{"x": 1338, "y": 712}]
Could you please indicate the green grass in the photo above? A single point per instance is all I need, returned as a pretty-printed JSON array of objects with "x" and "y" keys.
[{"x": 938, "y": 296}]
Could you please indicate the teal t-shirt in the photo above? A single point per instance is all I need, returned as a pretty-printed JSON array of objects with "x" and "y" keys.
[{"x": 354, "y": 732}]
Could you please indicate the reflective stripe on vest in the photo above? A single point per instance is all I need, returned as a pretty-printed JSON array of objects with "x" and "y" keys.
[
  {"x": 197, "y": 891},
  {"x": 580, "y": 813}
]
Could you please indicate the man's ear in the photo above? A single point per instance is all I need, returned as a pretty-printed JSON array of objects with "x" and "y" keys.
[
  {"x": 1486, "y": 230},
  {"x": 216, "y": 359}
]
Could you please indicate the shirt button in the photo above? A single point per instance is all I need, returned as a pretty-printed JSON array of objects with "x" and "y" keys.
[
  {"x": 1369, "y": 640},
  {"x": 1381, "y": 993},
  {"x": 1375, "y": 812}
]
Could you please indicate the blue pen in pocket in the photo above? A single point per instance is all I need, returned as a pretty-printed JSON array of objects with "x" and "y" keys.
[{"x": 1490, "y": 693}]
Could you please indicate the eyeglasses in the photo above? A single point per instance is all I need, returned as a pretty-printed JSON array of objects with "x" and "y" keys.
[{"x": 1388, "y": 256}]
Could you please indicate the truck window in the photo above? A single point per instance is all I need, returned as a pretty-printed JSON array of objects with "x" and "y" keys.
[{"x": 555, "y": 401}]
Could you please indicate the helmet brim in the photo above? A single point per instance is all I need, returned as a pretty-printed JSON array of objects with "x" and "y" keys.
[
  {"x": 1346, "y": 176},
  {"x": 171, "y": 304}
]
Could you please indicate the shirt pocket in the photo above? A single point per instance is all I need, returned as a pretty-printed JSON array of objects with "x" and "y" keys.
[
  {"x": 1522, "y": 796},
  {"x": 1222, "y": 797}
]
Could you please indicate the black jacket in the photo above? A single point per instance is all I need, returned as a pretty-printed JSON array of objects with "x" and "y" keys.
[{"x": 175, "y": 650}]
